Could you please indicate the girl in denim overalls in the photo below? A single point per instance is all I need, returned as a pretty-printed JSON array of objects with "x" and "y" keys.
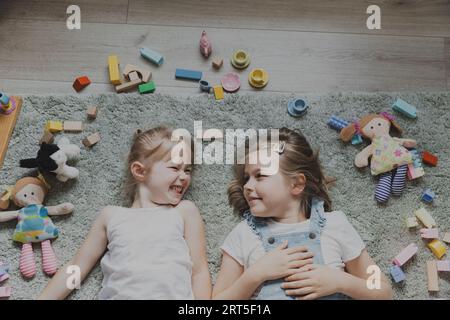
[{"x": 287, "y": 246}]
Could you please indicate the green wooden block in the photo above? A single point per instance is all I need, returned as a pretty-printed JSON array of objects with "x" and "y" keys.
[{"x": 148, "y": 87}]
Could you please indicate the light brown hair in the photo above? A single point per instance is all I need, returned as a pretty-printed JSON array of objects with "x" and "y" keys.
[
  {"x": 297, "y": 158},
  {"x": 22, "y": 183}
]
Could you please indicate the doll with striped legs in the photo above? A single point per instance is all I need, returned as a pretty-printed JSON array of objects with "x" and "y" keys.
[
  {"x": 390, "y": 158},
  {"x": 34, "y": 224}
]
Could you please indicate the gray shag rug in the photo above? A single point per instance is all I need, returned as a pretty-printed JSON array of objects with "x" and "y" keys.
[{"x": 102, "y": 171}]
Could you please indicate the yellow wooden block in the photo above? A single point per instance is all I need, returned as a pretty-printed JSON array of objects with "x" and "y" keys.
[
  {"x": 411, "y": 222},
  {"x": 424, "y": 217},
  {"x": 54, "y": 126},
  {"x": 437, "y": 247},
  {"x": 218, "y": 92},
  {"x": 114, "y": 74}
]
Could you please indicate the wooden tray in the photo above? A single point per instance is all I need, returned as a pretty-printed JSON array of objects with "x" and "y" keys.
[{"x": 7, "y": 124}]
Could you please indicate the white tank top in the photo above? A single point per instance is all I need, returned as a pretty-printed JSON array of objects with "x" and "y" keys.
[{"x": 147, "y": 256}]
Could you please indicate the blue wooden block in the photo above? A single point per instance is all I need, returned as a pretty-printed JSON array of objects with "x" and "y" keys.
[
  {"x": 397, "y": 274},
  {"x": 428, "y": 195},
  {"x": 405, "y": 108},
  {"x": 188, "y": 74},
  {"x": 4, "y": 99},
  {"x": 337, "y": 123},
  {"x": 151, "y": 55}
]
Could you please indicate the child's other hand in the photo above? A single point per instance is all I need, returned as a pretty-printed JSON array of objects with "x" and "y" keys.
[
  {"x": 281, "y": 262},
  {"x": 312, "y": 282}
]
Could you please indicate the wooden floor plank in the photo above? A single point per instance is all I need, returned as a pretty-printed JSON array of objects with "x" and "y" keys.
[
  {"x": 405, "y": 17},
  {"x": 296, "y": 61},
  {"x": 108, "y": 11},
  {"x": 447, "y": 54}
]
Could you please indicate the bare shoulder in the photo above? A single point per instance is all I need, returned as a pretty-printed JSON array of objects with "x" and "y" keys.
[
  {"x": 188, "y": 210},
  {"x": 108, "y": 212}
]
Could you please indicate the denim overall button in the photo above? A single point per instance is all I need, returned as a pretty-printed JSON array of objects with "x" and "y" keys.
[
  {"x": 271, "y": 240},
  {"x": 312, "y": 235}
]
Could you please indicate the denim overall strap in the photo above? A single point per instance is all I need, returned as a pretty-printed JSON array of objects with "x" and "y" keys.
[{"x": 317, "y": 218}]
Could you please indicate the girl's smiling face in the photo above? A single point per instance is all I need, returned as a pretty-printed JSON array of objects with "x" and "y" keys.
[
  {"x": 267, "y": 195},
  {"x": 167, "y": 182}
]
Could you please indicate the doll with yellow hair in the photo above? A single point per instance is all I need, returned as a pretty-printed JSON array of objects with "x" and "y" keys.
[
  {"x": 390, "y": 156},
  {"x": 34, "y": 224}
]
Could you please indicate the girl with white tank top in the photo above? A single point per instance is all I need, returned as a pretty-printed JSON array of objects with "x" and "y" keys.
[{"x": 156, "y": 249}]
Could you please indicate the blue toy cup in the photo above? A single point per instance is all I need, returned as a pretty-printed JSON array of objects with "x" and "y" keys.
[
  {"x": 204, "y": 86},
  {"x": 297, "y": 107},
  {"x": 4, "y": 99}
]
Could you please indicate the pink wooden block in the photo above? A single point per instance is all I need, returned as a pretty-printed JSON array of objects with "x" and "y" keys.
[
  {"x": 427, "y": 233},
  {"x": 443, "y": 265},
  {"x": 4, "y": 277},
  {"x": 5, "y": 292},
  {"x": 405, "y": 254}
]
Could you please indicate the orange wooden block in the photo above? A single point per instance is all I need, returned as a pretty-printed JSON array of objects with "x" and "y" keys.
[
  {"x": 7, "y": 124},
  {"x": 429, "y": 158},
  {"x": 80, "y": 83}
]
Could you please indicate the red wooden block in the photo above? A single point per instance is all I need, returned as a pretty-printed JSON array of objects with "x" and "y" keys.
[
  {"x": 80, "y": 83},
  {"x": 429, "y": 158}
]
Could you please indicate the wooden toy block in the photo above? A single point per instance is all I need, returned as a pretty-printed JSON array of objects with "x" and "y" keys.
[
  {"x": 437, "y": 247},
  {"x": 217, "y": 62},
  {"x": 91, "y": 140},
  {"x": 337, "y": 123},
  {"x": 54, "y": 126},
  {"x": 446, "y": 237},
  {"x": 92, "y": 112},
  {"x": 429, "y": 158},
  {"x": 80, "y": 83},
  {"x": 218, "y": 92},
  {"x": 134, "y": 76},
  {"x": 423, "y": 215},
  {"x": 188, "y": 74},
  {"x": 426, "y": 233},
  {"x": 411, "y": 222},
  {"x": 397, "y": 274},
  {"x": 147, "y": 87},
  {"x": 128, "y": 86},
  {"x": 4, "y": 277},
  {"x": 428, "y": 196},
  {"x": 443, "y": 265},
  {"x": 145, "y": 74},
  {"x": 405, "y": 108},
  {"x": 432, "y": 275},
  {"x": 73, "y": 126},
  {"x": 5, "y": 292},
  {"x": 406, "y": 254},
  {"x": 7, "y": 124},
  {"x": 152, "y": 55},
  {"x": 47, "y": 137},
  {"x": 113, "y": 66}
]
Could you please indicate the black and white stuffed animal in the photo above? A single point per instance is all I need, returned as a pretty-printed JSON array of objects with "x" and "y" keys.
[{"x": 53, "y": 157}]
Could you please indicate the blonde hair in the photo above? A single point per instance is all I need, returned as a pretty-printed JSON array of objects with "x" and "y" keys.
[
  {"x": 148, "y": 147},
  {"x": 297, "y": 158}
]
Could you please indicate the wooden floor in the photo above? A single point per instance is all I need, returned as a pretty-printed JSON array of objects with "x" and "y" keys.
[{"x": 305, "y": 45}]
